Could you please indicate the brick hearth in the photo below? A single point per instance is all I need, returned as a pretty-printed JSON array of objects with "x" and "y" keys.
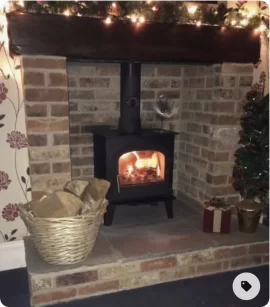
[
  {"x": 144, "y": 248},
  {"x": 64, "y": 99}
]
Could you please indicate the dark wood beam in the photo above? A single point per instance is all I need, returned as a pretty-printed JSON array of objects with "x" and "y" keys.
[{"x": 91, "y": 38}]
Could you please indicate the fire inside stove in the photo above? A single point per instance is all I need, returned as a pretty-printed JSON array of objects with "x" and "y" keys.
[{"x": 139, "y": 167}]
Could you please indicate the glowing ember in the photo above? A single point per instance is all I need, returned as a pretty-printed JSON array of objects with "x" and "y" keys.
[{"x": 140, "y": 167}]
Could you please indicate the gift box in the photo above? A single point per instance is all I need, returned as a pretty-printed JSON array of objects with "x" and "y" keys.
[{"x": 216, "y": 216}]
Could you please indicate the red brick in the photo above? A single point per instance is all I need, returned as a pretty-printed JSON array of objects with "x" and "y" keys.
[
  {"x": 227, "y": 252},
  {"x": 39, "y": 168},
  {"x": 233, "y": 200},
  {"x": 75, "y": 172},
  {"x": 85, "y": 161},
  {"x": 184, "y": 136},
  {"x": 215, "y": 156},
  {"x": 71, "y": 81},
  {"x": 195, "y": 150},
  {"x": 217, "y": 180},
  {"x": 197, "y": 183},
  {"x": 82, "y": 118},
  {"x": 205, "y": 118},
  {"x": 37, "y": 140},
  {"x": 34, "y": 78},
  {"x": 42, "y": 95},
  {"x": 172, "y": 94},
  {"x": 200, "y": 140},
  {"x": 95, "y": 82},
  {"x": 44, "y": 63},
  {"x": 223, "y": 107},
  {"x": 192, "y": 170},
  {"x": 88, "y": 171},
  {"x": 147, "y": 94},
  {"x": 105, "y": 286},
  {"x": 226, "y": 265},
  {"x": 55, "y": 296},
  {"x": 191, "y": 127},
  {"x": 220, "y": 190},
  {"x": 246, "y": 261},
  {"x": 61, "y": 139},
  {"x": 261, "y": 248},
  {"x": 57, "y": 79},
  {"x": 239, "y": 106},
  {"x": 169, "y": 70},
  {"x": 74, "y": 129},
  {"x": 157, "y": 264},
  {"x": 36, "y": 110},
  {"x": 265, "y": 259},
  {"x": 210, "y": 268},
  {"x": 81, "y": 139},
  {"x": 225, "y": 120},
  {"x": 59, "y": 110},
  {"x": 76, "y": 278},
  {"x": 47, "y": 125},
  {"x": 61, "y": 167},
  {"x": 187, "y": 115}
]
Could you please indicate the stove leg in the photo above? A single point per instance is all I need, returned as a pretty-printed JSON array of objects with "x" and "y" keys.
[
  {"x": 108, "y": 216},
  {"x": 169, "y": 208}
]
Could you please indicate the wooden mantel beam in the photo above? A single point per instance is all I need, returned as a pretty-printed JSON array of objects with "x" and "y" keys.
[{"x": 92, "y": 39}]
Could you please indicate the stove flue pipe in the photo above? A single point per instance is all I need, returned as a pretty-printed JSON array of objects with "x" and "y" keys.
[{"x": 130, "y": 92}]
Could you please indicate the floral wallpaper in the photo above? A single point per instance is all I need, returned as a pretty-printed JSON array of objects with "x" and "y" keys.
[{"x": 14, "y": 167}]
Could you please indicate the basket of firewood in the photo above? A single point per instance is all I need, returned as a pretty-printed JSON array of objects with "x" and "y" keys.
[{"x": 64, "y": 225}]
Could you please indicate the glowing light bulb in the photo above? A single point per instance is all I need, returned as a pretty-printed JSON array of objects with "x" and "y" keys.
[
  {"x": 244, "y": 22},
  {"x": 142, "y": 19},
  {"x": 198, "y": 23},
  {"x": 192, "y": 9},
  {"x": 154, "y": 8},
  {"x": 21, "y": 3},
  {"x": 148, "y": 2},
  {"x": 251, "y": 13},
  {"x": 66, "y": 13},
  {"x": 133, "y": 18},
  {"x": 233, "y": 22},
  {"x": 262, "y": 27},
  {"x": 108, "y": 20},
  {"x": 114, "y": 5}
]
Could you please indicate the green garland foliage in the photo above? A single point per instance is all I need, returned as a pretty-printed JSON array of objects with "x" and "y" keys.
[{"x": 153, "y": 11}]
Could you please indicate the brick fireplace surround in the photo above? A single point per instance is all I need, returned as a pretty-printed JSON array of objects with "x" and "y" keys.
[{"x": 63, "y": 99}]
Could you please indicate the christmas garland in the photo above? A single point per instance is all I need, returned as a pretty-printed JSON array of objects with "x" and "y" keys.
[{"x": 154, "y": 11}]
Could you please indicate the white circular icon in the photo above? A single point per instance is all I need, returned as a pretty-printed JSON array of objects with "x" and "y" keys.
[{"x": 246, "y": 286}]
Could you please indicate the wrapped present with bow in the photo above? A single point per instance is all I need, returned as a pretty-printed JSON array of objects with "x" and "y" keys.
[{"x": 217, "y": 216}]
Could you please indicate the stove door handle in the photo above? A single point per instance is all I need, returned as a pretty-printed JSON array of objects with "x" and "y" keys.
[{"x": 118, "y": 185}]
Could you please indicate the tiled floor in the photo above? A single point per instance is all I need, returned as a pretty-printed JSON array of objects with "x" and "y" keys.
[{"x": 145, "y": 231}]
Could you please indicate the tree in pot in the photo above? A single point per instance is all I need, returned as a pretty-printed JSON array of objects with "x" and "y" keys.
[{"x": 251, "y": 168}]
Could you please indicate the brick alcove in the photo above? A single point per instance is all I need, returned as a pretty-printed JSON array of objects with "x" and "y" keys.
[{"x": 63, "y": 99}]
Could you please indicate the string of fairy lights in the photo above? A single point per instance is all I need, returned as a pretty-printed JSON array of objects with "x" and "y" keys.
[{"x": 140, "y": 12}]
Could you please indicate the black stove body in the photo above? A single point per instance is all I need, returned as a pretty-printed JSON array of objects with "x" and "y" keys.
[{"x": 137, "y": 162}]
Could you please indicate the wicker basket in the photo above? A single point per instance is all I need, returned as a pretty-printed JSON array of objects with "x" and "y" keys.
[{"x": 63, "y": 240}]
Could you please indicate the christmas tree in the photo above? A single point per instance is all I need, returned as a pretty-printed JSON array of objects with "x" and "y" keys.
[{"x": 251, "y": 168}]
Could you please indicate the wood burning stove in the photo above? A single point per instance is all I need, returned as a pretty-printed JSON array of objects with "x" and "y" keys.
[{"x": 138, "y": 162}]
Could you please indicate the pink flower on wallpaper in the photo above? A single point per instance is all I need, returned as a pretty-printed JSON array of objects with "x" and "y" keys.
[
  {"x": 3, "y": 91},
  {"x": 4, "y": 181},
  {"x": 16, "y": 139},
  {"x": 10, "y": 212}
]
